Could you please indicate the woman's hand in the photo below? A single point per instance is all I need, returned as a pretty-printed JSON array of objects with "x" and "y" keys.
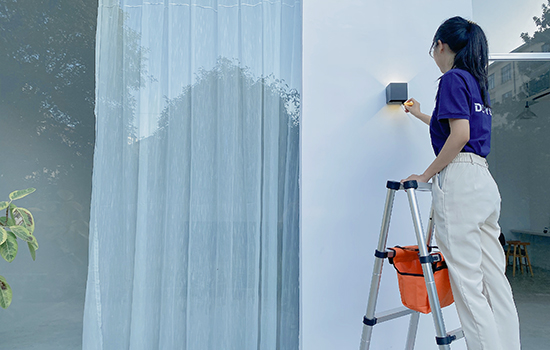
[
  {"x": 418, "y": 178},
  {"x": 414, "y": 109}
]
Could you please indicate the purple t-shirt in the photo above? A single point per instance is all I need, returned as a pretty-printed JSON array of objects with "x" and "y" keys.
[{"x": 459, "y": 97}]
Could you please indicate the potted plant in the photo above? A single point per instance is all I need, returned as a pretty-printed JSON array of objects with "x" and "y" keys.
[{"x": 17, "y": 223}]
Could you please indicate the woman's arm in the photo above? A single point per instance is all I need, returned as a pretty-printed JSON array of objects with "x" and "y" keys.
[
  {"x": 424, "y": 117},
  {"x": 460, "y": 135}
]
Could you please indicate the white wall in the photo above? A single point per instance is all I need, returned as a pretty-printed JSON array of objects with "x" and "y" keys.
[{"x": 352, "y": 142}]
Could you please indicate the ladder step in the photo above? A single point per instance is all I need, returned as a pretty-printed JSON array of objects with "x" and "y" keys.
[
  {"x": 451, "y": 337},
  {"x": 420, "y": 186},
  {"x": 393, "y": 314},
  {"x": 458, "y": 333}
]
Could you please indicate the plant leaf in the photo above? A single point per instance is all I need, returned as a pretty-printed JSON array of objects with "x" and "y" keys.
[
  {"x": 21, "y": 232},
  {"x": 5, "y": 293},
  {"x": 21, "y": 193},
  {"x": 4, "y": 205},
  {"x": 8, "y": 250},
  {"x": 32, "y": 250},
  {"x": 24, "y": 217},
  {"x": 32, "y": 241},
  {"x": 11, "y": 222},
  {"x": 3, "y": 235},
  {"x": 12, "y": 207}
]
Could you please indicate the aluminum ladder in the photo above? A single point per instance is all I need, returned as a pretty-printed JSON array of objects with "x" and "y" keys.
[{"x": 443, "y": 339}]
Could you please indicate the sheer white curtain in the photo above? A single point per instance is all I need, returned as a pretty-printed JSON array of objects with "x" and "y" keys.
[{"x": 194, "y": 228}]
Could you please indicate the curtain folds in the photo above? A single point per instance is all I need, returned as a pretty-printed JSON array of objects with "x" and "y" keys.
[{"x": 194, "y": 228}]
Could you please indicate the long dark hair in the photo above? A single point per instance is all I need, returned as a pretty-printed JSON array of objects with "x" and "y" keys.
[{"x": 469, "y": 42}]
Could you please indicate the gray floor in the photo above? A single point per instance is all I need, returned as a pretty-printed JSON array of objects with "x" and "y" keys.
[
  {"x": 59, "y": 326},
  {"x": 532, "y": 295},
  {"x": 54, "y": 327}
]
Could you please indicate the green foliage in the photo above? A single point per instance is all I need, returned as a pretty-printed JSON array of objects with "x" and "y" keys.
[
  {"x": 8, "y": 250},
  {"x": 16, "y": 223},
  {"x": 26, "y": 218},
  {"x": 5, "y": 293},
  {"x": 542, "y": 23},
  {"x": 21, "y": 193},
  {"x": 47, "y": 47},
  {"x": 3, "y": 235},
  {"x": 21, "y": 233},
  {"x": 32, "y": 248},
  {"x": 10, "y": 221},
  {"x": 47, "y": 86},
  {"x": 535, "y": 71}
]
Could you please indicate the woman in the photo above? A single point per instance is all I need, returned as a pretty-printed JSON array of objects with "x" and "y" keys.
[{"x": 465, "y": 197}]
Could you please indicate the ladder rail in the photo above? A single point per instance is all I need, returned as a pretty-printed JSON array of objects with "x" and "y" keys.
[
  {"x": 377, "y": 270},
  {"x": 437, "y": 314}
]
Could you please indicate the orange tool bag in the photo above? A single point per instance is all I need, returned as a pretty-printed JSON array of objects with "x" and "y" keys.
[{"x": 412, "y": 285}]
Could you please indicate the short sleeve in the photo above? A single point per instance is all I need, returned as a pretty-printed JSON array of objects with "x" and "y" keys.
[{"x": 454, "y": 97}]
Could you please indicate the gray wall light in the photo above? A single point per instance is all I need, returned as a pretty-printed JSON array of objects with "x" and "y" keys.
[{"x": 396, "y": 93}]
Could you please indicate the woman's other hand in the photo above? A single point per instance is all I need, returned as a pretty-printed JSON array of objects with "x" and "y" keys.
[{"x": 418, "y": 178}]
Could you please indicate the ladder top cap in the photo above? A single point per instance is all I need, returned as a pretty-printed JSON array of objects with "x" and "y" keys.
[
  {"x": 393, "y": 185},
  {"x": 410, "y": 184},
  {"x": 420, "y": 186}
]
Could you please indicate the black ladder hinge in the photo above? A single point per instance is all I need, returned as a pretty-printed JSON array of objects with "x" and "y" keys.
[
  {"x": 369, "y": 322},
  {"x": 445, "y": 340},
  {"x": 381, "y": 255}
]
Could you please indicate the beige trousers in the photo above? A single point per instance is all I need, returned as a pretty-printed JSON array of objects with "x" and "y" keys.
[{"x": 466, "y": 204}]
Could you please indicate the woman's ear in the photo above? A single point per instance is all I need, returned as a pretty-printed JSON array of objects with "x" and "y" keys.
[
  {"x": 444, "y": 47},
  {"x": 440, "y": 46}
]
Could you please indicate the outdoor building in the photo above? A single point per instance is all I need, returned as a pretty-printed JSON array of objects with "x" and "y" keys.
[{"x": 509, "y": 80}]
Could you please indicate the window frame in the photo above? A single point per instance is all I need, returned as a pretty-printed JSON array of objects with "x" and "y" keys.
[
  {"x": 491, "y": 81},
  {"x": 520, "y": 56},
  {"x": 506, "y": 73}
]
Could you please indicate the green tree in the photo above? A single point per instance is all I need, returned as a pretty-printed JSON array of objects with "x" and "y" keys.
[
  {"x": 47, "y": 80},
  {"x": 542, "y": 23},
  {"x": 537, "y": 71}
]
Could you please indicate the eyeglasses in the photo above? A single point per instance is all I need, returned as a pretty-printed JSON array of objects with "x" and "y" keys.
[{"x": 432, "y": 48}]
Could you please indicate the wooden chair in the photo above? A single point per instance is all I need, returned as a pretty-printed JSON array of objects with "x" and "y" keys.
[{"x": 518, "y": 251}]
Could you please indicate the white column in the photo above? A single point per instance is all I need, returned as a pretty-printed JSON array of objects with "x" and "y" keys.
[{"x": 352, "y": 142}]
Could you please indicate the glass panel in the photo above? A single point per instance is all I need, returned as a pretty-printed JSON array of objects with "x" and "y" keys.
[
  {"x": 520, "y": 149},
  {"x": 520, "y": 152},
  {"x": 47, "y": 137},
  {"x": 520, "y": 163},
  {"x": 520, "y": 94}
]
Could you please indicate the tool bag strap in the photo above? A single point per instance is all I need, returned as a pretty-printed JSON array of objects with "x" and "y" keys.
[{"x": 404, "y": 254}]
